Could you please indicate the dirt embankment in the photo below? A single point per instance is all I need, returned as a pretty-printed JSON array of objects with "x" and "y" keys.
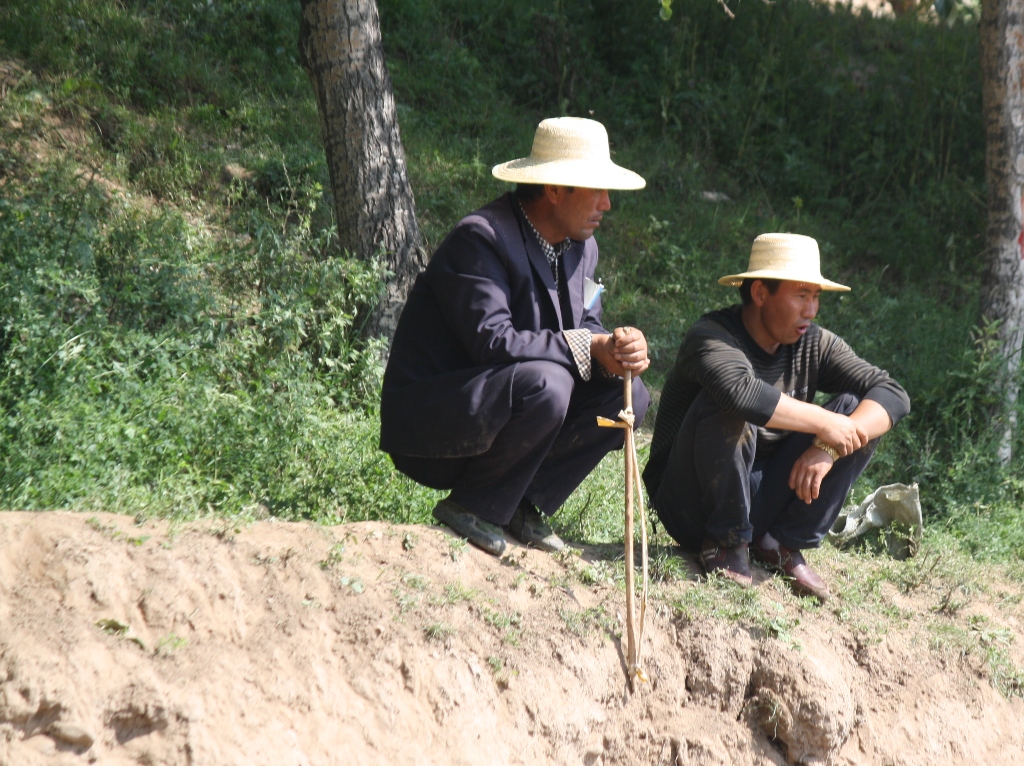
[{"x": 374, "y": 644}]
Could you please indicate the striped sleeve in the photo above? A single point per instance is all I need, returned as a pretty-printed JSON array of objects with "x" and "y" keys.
[
  {"x": 725, "y": 372},
  {"x": 842, "y": 370}
]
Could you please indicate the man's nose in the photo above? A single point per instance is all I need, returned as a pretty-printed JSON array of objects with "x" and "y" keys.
[
  {"x": 811, "y": 309},
  {"x": 605, "y": 202}
]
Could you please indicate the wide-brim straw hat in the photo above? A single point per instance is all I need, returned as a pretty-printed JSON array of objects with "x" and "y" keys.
[
  {"x": 569, "y": 151},
  {"x": 790, "y": 257}
]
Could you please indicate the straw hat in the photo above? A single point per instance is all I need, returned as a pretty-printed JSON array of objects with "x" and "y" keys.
[
  {"x": 569, "y": 151},
  {"x": 792, "y": 257}
]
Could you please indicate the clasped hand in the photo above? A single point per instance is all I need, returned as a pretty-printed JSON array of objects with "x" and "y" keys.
[
  {"x": 625, "y": 349},
  {"x": 844, "y": 434}
]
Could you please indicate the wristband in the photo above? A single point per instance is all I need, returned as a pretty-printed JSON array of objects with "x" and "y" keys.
[{"x": 832, "y": 452}]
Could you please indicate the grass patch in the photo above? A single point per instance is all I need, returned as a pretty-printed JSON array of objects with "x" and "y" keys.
[
  {"x": 439, "y": 631},
  {"x": 584, "y": 622},
  {"x": 456, "y": 593}
]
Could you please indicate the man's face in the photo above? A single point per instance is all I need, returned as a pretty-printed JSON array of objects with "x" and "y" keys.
[
  {"x": 579, "y": 212},
  {"x": 787, "y": 314}
]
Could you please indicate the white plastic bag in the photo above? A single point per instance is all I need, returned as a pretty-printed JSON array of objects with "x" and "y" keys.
[{"x": 895, "y": 509}]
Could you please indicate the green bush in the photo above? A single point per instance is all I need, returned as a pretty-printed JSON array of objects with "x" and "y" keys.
[{"x": 150, "y": 369}]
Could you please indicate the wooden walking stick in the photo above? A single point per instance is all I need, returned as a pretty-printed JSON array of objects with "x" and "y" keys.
[{"x": 634, "y": 634}]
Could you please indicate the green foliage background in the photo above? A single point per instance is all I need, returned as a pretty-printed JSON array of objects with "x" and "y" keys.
[{"x": 175, "y": 343}]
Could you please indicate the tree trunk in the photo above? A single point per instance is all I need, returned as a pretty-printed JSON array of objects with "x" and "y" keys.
[
  {"x": 1002, "y": 294},
  {"x": 340, "y": 48}
]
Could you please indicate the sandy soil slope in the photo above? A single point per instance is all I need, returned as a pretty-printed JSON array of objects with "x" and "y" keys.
[{"x": 282, "y": 643}]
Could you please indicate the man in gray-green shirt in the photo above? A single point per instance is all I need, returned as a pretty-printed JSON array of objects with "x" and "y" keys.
[{"x": 742, "y": 461}]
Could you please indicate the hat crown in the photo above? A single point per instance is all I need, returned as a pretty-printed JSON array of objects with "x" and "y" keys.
[
  {"x": 569, "y": 151},
  {"x": 786, "y": 253},
  {"x": 788, "y": 257},
  {"x": 570, "y": 138}
]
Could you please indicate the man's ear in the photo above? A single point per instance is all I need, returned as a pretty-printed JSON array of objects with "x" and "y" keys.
[
  {"x": 758, "y": 292},
  {"x": 553, "y": 194}
]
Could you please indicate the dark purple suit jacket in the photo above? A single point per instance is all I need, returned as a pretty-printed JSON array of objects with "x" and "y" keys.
[{"x": 486, "y": 301}]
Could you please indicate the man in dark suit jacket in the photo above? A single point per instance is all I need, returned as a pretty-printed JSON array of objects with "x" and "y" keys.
[{"x": 500, "y": 364}]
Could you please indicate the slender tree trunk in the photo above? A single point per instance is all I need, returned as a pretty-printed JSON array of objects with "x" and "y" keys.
[
  {"x": 340, "y": 48},
  {"x": 1002, "y": 295}
]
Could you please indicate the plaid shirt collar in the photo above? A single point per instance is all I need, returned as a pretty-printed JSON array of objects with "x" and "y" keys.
[{"x": 551, "y": 252}]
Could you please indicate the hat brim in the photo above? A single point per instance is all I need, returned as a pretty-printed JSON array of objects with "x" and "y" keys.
[
  {"x": 588, "y": 174},
  {"x": 735, "y": 280}
]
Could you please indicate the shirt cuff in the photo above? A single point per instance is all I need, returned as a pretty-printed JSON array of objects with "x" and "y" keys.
[{"x": 579, "y": 347}]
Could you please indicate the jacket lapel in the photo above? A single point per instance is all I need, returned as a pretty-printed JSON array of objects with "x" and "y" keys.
[
  {"x": 538, "y": 261},
  {"x": 574, "y": 275}
]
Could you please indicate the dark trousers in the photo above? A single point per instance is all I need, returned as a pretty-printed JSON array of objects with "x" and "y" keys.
[
  {"x": 716, "y": 486},
  {"x": 546, "y": 449}
]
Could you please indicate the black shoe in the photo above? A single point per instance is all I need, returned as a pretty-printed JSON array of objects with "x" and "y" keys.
[
  {"x": 728, "y": 561},
  {"x": 484, "y": 535},
  {"x": 529, "y": 527}
]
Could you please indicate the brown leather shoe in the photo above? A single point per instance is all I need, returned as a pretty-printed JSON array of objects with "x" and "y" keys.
[
  {"x": 730, "y": 562},
  {"x": 802, "y": 579}
]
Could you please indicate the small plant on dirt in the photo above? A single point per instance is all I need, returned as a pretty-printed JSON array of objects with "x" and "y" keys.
[
  {"x": 406, "y": 601},
  {"x": 225, "y": 530},
  {"x": 107, "y": 530},
  {"x": 409, "y": 540},
  {"x": 781, "y": 627},
  {"x": 583, "y": 621},
  {"x": 439, "y": 631},
  {"x": 919, "y": 570},
  {"x": 575, "y": 621},
  {"x": 953, "y": 600},
  {"x": 170, "y": 643},
  {"x": 1004, "y": 675},
  {"x": 121, "y": 629},
  {"x": 769, "y": 712},
  {"x": 455, "y": 593},
  {"x": 567, "y": 556},
  {"x": 414, "y": 581},
  {"x": 510, "y": 622},
  {"x": 667, "y": 566},
  {"x": 456, "y": 547},
  {"x": 352, "y": 583},
  {"x": 334, "y": 556},
  {"x": 502, "y": 675},
  {"x": 600, "y": 573},
  {"x": 114, "y": 627},
  {"x": 515, "y": 559}
]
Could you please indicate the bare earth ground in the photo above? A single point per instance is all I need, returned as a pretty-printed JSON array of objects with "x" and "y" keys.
[{"x": 281, "y": 643}]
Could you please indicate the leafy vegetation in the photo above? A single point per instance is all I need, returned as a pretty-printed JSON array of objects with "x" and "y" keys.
[{"x": 180, "y": 333}]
